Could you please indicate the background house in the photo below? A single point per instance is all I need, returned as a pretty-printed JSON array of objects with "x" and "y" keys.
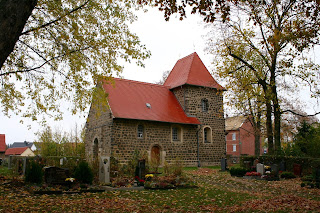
[
  {"x": 3, "y": 145},
  {"x": 23, "y": 144},
  {"x": 182, "y": 119},
  {"x": 240, "y": 137},
  {"x": 20, "y": 151}
]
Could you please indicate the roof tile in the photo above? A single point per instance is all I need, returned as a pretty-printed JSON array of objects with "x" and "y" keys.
[
  {"x": 191, "y": 70},
  {"x": 15, "y": 151},
  {"x": 130, "y": 99}
]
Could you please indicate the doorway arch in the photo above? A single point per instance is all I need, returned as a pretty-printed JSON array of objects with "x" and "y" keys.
[{"x": 95, "y": 148}]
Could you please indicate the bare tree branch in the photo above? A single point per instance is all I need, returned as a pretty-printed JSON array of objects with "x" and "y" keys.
[{"x": 296, "y": 113}]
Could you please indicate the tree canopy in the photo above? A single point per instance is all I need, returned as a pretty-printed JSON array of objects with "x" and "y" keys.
[
  {"x": 263, "y": 44},
  {"x": 62, "y": 51}
]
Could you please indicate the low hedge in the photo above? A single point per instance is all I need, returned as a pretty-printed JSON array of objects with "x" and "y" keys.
[
  {"x": 239, "y": 172},
  {"x": 308, "y": 165}
]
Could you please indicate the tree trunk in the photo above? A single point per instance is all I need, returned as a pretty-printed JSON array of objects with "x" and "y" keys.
[
  {"x": 267, "y": 100},
  {"x": 257, "y": 134},
  {"x": 277, "y": 119},
  {"x": 269, "y": 127},
  {"x": 13, "y": 16}
]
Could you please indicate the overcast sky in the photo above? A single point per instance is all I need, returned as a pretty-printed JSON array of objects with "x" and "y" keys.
[{"x": 167, "y": 41}]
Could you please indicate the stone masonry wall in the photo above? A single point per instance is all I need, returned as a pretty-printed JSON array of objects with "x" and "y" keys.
[
  {"x": 98, "y": 126},
  {"x": 190, "y": 98},
  {"x": 125, "y": 141}
]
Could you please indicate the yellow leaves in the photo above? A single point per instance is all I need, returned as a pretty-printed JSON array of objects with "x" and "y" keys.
[{"x": 61, "y": 61}]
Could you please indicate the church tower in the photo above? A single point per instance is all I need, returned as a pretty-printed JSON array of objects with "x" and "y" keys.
[{"x": 202, "y": 97}]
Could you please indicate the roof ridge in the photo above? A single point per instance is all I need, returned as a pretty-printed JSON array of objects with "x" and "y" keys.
[
  {"x": 141, "y": 82},
  {"x": 189, "y": 69}
]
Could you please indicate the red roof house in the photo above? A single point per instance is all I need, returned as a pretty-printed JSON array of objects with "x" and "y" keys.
[
  {"x": 181, "y": 119},
  {"x": 21, "y": 151},
  {"x": 3, "y": 145}
]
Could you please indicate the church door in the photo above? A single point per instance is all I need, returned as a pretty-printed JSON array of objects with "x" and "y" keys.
[{"x": 155, "y": 155}]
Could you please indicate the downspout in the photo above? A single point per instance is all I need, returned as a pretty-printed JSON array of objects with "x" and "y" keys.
[
  {"x": 240, "y": 145},
  {"x": 198, "y": 159}
]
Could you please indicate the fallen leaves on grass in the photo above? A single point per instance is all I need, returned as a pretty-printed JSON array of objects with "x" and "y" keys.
[{"x": 203, "y": 171}]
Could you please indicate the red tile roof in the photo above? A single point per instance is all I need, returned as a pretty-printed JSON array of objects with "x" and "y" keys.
[
  {"x": 3, "y": 143},
  {"x": 16, "y": 151},
  {"x": 191, "y": 70},
  {"x": 129, "y": 99}
]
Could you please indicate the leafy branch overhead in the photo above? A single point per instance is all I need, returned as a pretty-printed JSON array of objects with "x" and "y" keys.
[{"x": 65, "y": 48}]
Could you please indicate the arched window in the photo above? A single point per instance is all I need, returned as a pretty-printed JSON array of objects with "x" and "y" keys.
[
  {"x": 207, "y": 135},
  {"x": 204, "y": 105},
  {"x": 176, "y": 133},
  {"x": 95, "y": 148},
  {"x": 140, "y": 131}
]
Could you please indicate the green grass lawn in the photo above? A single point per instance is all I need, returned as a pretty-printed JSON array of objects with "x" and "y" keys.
[
  {"x": 4, "y": 171},
  {"x": 216, "y": 192}
]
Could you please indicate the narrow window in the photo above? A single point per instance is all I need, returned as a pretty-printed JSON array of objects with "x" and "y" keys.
[
  {"x": 140, "y": 131},
  {"x": 234, "y": 136},
  {"x": 234, "y": 148},
  {"x": 207, "y": 135},
  {"x": 174, "y": 133},
  {"x": 204, "y": 105}
]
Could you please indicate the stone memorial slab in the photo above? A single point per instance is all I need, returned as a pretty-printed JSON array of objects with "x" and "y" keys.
[
  {"x": 223, "y": 164},
  {"x": 282, "y": 166},
  {"x": 56, "y": 175},
  {"x": 275, "y": 169},
  {"x": 104, "y": 169},
  {"x": 142, "y": 169},
  {"x": 260, "y": 168}
]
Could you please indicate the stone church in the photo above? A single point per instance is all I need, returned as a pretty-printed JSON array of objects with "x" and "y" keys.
[{"x": 181, "y": 119}]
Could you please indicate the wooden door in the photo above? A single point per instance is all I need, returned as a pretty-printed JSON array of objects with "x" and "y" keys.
[{"x": 155, "y": 155}]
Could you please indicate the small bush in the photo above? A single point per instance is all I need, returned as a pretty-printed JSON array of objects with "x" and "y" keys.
[
  {"x": 308, "y": 178},
  {"x": 34, "y": 173},
  {"x": 303, "y": 184},
  {"x": 287, "y": 175},
  {"x": 83, "y": 173},
  {"x": 239, "y": 172}
]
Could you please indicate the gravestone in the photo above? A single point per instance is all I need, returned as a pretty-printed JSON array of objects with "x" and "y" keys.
[
  {"x": 247, "y": 164},
  {"x": 142, "y": 169},
  {"x": 282, "y": 166},
  {"x": 275, "y": 168},
  {"x": 223, "y": 164},
  {"x": 297, "y": 169},
  {"x": 104, "y": 169},
  {"x": 55, "y": 175},
  {"x": 260, "y": 168}
]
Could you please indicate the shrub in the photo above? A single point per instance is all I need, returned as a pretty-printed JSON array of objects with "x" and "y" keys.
[
  {"x": 83, "y": 173},
  {"x": 287, "y": 175},
  {"x": 239, "y": 172},
  {"x": 34, "y": 173},
  {"x": 307, "y": 178},
  {"x": 303, "y": 184}
]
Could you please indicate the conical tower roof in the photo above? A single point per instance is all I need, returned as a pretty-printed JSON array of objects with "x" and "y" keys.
[{"x": 191, "y": 70}]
